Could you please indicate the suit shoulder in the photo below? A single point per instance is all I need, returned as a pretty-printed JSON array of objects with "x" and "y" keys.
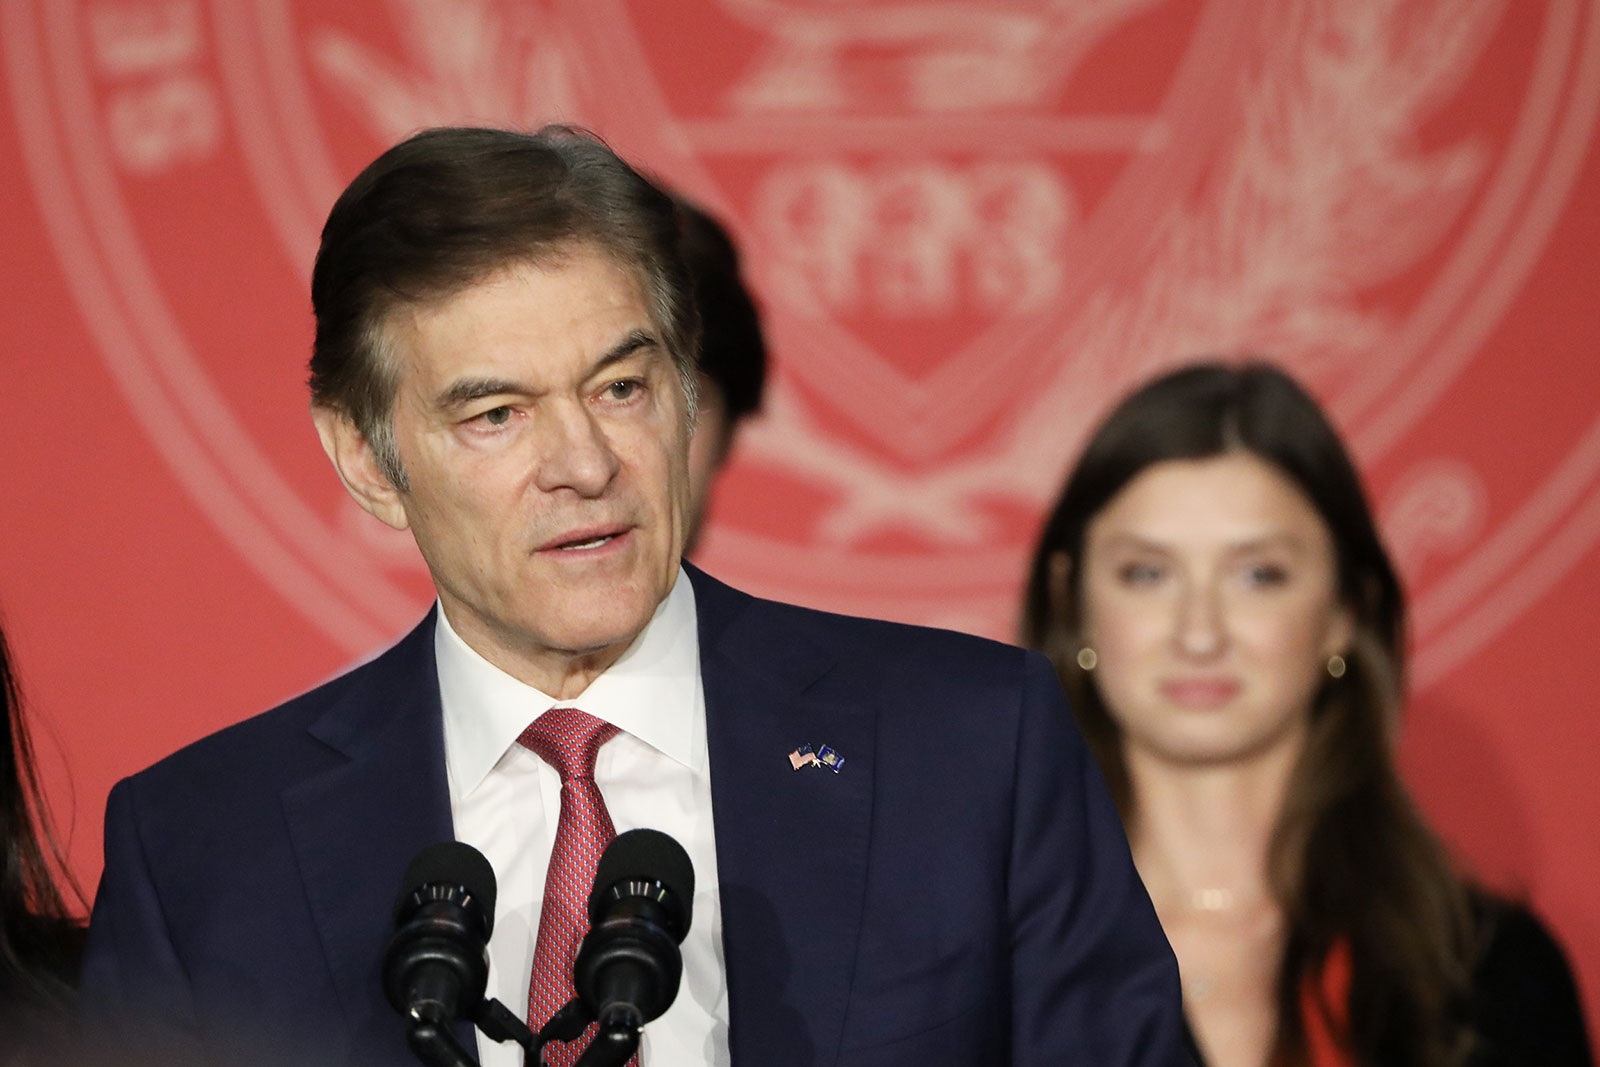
[
  {"x": 1527, "y": 1004},
  {"x": 929, "y": 644},
  {"x": 237, "y": 755},
  {"x": 263, "y": 747},
  {"x": 870, "y": 646}
]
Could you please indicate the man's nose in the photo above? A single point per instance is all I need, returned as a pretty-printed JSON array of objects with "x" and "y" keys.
[
  {"x": 575, "y": 452},
  {"x": 1200, "y": 630}
]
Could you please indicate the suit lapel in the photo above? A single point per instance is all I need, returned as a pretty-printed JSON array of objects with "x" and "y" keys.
[
  {"x": 791, "y": 844},
  {"x": 356, "y": 826}
]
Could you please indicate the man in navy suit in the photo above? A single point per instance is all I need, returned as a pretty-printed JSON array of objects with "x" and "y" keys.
[{"x": 504, "y": 366}]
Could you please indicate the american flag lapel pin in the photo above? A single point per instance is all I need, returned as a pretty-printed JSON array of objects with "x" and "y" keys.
[{"x": 802, "y": 757}]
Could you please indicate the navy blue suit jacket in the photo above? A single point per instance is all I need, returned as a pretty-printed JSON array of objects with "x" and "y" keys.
[{"x": 961, "y": 893}]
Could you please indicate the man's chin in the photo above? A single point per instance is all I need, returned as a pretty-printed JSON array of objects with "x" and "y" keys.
[{"x": 608, "y": 629}]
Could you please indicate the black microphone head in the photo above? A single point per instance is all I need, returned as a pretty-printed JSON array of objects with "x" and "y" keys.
[
  {"x": 437, "y": 962},
  {"x": 642, "y": 861},
  {"x": 451, "y": 863},
  {"x": 628, "y": 968}
]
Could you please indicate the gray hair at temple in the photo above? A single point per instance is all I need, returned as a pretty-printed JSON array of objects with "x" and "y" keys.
[{"x": 447, "y": 207}]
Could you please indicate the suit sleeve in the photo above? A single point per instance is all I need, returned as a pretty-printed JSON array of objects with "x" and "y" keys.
[
  {"x": 134, "y": 994},
  {"x": 1094, "y": 981}
]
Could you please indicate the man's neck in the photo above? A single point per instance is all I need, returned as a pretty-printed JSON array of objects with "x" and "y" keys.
[{"x": 560, "y": 674}]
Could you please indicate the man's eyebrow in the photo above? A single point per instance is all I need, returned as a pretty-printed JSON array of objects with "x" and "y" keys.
[
  {"x": 466, "y": 390},
  {"x": 631, "y": 343}
]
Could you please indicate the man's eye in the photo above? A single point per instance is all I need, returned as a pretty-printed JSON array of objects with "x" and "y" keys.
[
  {"x": 622, "y": 390},
  {"x": 497, "y": 416}
]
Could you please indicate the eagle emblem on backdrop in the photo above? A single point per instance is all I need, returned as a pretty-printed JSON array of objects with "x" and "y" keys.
[{"x": 972, "y": 226}]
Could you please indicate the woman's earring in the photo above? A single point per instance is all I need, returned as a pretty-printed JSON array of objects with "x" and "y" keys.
[
  {"x": 1087, "y": 659},
  {"x": 1336, "y": 666}
]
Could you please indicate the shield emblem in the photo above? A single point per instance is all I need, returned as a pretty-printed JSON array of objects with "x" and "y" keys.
[{"x": 972, "y": 226}]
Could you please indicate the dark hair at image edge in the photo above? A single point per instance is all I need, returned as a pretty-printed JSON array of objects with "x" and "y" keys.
[
  {"x": 447, "y": 207},
  {"x": 1351, "y": 862},
  {"x": 39, "y": 941}
]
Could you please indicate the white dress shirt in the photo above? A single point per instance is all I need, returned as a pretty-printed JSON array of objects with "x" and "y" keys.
[{"x": 505, "y": 801}]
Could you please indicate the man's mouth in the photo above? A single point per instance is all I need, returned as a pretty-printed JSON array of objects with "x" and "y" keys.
[
  {"x": 584, "y": 540},
  {"x": 593, "y": 542}
]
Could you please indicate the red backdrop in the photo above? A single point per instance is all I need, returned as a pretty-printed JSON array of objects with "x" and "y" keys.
[{"x": 972, "y": 226}]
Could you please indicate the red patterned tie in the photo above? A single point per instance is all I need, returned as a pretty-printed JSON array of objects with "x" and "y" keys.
[{"x": 568, "y": 740}]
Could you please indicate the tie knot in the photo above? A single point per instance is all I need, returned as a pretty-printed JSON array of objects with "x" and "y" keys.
[{"x": 568, "y": 740}]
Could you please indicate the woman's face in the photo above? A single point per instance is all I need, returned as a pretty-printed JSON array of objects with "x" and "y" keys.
[{"x": 1210, "y": 596}]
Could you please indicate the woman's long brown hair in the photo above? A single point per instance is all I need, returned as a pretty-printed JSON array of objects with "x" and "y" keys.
[
  {"x": 39, "y": 940},
  {"x": 1351, "y": 862}
]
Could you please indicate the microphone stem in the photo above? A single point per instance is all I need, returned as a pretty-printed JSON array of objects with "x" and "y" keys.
[
  {"x": 613, "y": 1045},
  {"x": 437, "y": 1047}
]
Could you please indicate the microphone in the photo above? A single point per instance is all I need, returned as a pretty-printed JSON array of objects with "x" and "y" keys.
[
  {"x": 629, "y": 966},
  {"x": 437, "y": 962}
]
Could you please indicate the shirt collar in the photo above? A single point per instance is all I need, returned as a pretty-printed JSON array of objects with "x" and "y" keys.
[{"x": 652, "y": 692}]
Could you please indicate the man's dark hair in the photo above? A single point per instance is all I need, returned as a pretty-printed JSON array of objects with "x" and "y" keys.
[
  {"x": 447, "y": 207},
  {"x": 733, "y": 352}
]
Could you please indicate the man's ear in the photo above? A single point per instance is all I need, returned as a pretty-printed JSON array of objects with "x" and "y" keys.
[{"x": 358, "y": 469}]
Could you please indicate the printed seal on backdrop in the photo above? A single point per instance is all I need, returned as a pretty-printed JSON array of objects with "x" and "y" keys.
[{"x": 973, "y": 227}]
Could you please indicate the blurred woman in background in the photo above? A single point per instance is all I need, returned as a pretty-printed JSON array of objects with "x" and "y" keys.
[
  {"x": 40, "y": 943},
  {"x": 1214, "y": 594}
]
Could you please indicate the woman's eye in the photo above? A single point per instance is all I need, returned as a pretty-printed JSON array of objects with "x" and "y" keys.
[
  {"x": 1266, "y": 574},
  {"x": 1139, "y": 573}
]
